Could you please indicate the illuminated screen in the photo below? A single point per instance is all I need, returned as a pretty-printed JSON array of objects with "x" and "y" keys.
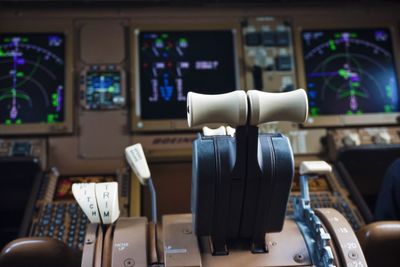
[
  {"x": 32, "y": 78},
  {"x": 103, "y": 89},
  {"x": 350, "y": 71},
  {"x": 173, "y": 63}
]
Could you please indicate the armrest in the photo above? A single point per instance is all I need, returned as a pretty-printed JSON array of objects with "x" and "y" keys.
[
  {"x": 35, "y": 252},
  {"x": 380, "y": 242}
]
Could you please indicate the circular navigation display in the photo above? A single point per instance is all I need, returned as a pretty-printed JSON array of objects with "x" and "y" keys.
[
  {"x": 350, "y": 71},
  {"x": 32, "y": 74}
]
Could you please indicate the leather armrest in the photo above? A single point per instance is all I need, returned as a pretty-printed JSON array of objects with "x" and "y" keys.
[
  {"x": 35, "y": 252},
  {"x": 380, "y": 242}
]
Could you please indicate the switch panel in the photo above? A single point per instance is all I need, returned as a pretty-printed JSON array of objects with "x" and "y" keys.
[
  {"x": 269, "y": 56},
  {"x": 252, "y": 39},
  {"x": 21, "y": 147},
  {"x": 339, "y": 139}
]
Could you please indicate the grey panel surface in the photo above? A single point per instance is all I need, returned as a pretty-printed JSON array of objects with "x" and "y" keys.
[
  {"x": 64, "y": 155},
  {"x": 102, "y": 42},
  {"x": 103, "y": 134}
]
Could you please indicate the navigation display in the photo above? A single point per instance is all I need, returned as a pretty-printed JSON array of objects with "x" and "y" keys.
[
  {"x": 175, "y": 62},
  {"x": 32, "y": 78},
  {"x": 350, "y": 71}
]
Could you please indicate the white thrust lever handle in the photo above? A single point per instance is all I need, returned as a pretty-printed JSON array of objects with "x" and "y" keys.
[
  {"x": 269, "y": 107},
  {"x": 230, "y": 108}
]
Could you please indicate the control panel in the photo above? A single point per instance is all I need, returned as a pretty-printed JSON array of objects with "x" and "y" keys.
[
  {"x": 21, "y": 147},
  {"x": 268, "y": 53},
  {"x": 339, "y": 139}
]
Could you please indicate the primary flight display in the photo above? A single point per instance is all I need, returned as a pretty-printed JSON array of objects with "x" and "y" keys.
[
  {"x": 350, "y": 71},
  {"x": 32, "y": 78}
]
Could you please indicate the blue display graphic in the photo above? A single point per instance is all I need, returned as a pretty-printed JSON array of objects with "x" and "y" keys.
[
  {"x": 175, "y": 62},
  {"x": 350, "y": 71},
  {"x": 103, "y": 89},
  {"x": 32, "y": 77}
]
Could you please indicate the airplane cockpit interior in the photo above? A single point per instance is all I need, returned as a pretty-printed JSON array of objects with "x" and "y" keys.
[{"x": 211, "y": 133}]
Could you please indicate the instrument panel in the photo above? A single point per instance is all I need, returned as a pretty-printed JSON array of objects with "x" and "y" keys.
[
  {"x": 349, "y": 69},
  {"x": 88, "y": 83},
  {"x": 349, "y": 72}
]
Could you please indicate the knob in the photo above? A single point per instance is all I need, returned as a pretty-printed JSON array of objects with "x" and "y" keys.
[
  {"x": 268, "y": 107},
  {"x": 382, "y": 138},
  {"x": 229, "y": 108},
  {"x": 351, "y": 139}
]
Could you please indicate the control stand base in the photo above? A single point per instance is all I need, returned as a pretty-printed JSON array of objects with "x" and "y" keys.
[{"x": 183, "y": 248}]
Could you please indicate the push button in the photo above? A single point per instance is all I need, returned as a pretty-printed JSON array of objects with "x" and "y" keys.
[
  {"x": 282, "y": 38},
  {"x": 284, "y": 63},
  {"x": 268, "y": 38},
  {"x": 252, "y": 39}
]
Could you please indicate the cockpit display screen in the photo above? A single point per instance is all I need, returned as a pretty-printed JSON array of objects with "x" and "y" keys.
[
  {"x": 172, "y": 63},
  {"x": 350, "y": 71},
  {"x": 32, "y": 78},
  {"x": 103, "y": 89}
]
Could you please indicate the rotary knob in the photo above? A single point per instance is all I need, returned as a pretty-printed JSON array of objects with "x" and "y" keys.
[{"x": 351, "y": 139}]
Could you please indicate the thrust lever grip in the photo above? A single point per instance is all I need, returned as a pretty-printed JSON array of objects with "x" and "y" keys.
[
  {"x": 230, "y": 108},
  {"x": 233, "y": 108},
  {"x": 268, "y": 107}
]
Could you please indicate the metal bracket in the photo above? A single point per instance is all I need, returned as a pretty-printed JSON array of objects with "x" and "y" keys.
[{"x": 314, "y": 233}]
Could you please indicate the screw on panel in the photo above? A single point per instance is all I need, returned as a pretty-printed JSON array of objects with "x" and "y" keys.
[
  {"x": 129, "y": 262},
  {"x": 299, "y": 258},
  {"x": 353, "y": 255},
  {"x": 187, "y": 231}
]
